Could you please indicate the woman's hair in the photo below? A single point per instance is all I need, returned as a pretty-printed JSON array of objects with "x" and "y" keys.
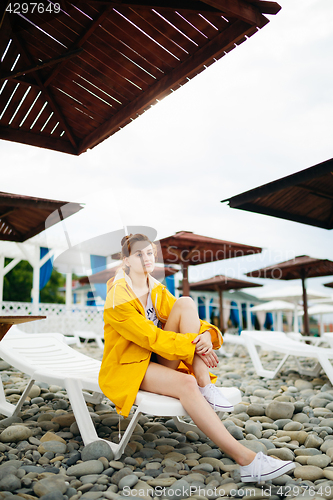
[{"x": 127, "y": 244}]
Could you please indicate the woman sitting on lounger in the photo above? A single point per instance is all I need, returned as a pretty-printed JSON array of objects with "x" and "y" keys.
[{"x": 155, "y": 342}]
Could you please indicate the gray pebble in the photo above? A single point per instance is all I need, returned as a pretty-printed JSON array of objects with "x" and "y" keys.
[
  {"x": 279, "y": 410},
  {"x": 10, "y": 483},
  {"x": 95, "y": 450},
  {"x": 129, "y": 481},
  {"x": 88, "y": 467}
]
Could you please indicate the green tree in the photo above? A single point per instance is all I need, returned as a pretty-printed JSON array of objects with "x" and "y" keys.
[
  {"x": 18, "y": 285},
  {"x": 50, "y": 293},
  {"x": 18, "y": 282}
]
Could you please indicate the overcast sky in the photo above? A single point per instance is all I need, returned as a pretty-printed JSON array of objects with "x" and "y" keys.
[{"x": 262, "y": 112}]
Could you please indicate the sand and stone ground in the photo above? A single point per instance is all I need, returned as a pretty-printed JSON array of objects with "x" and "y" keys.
[{"x": 42, "y": 454}]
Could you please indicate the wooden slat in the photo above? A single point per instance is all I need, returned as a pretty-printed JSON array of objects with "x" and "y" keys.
[
  {"x": 25, "y": 107},
  {"x": 69, "y": 105},
  {"x": 13, "y": 104},
  {"x": 139, "y": 42},
  {"x": 122, "y": 86},
  {"x": 240, "y": 10},
  {"x": 120, "y": 47},
  {"x": 48, "y": 95},
  {"x": 116, "y": 61},
  {"x": 198, "y": 22},
  {"x": 64, "y": 36},
  {"x": 219, "y": 21},
  {"x": 10, "y": 58},
  {"x": 217, "y": 45},
  {"x": 33, "y": 114},
  {"x": 165, "y": 29},
  {"x": 85, "y": 122},
  {"x": 185, "y": 27},
  {"x": 6, "y": 94},
  {"x": 172, "y": 49},
  {"x": 105, "y": 85},
  {"x": 23, "y": 70},
  {"x": 38, "y": 140},
  {"x": 84, "y": 35},
  {"x": 98, "y": 78},
  {"x": 5, "y": 30},
  {"x": 42, "y": 119},
  {"x": 50, "y": 123},
  {"x": 90, "y": 104},
  {"x": 266, "y": 7}
]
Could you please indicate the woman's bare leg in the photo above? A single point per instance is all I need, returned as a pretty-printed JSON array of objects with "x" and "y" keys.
[
  {"x": 184, "y": 318},
  {"x": 163, "y": 380}
]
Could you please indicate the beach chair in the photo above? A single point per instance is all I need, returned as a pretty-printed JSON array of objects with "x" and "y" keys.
[
  {"x": 89, "y": 335},
  {"x": 69, "y": 339},
  {"x": 235, "y": 340},
  {"x": 281, "y": 343},
  {"x": 49, "y": 359}
]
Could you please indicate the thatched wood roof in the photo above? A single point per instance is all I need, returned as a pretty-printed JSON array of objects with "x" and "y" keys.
[
  {"x": 22, "y": 217},
  {"x": 192, "y": 249},
  {"x": 221, "y": 282},
  {"x": 305, "y": 197},
  {"x": 72, "y": 78},
  {"x": 302, "y": 266}
]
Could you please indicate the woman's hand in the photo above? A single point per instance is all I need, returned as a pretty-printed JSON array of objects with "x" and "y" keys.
[
  {"x": 211, "y": 360},
  {"x": 203, "y": 343},
  {"x": 204, "y": 349}
]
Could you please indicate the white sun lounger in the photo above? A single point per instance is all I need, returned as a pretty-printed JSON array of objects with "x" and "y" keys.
[
  {"x": 49, "y": 359},
  {"x": 235, "y": 340},
  {"x": 88, "y": 335},
  {"x": 280, "y": 342}
]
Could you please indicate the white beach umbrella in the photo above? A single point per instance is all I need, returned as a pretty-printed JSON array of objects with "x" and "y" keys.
[
  {"x": 273, "y": 305},
  {"x": 293, "y": 293},
  {"x": 320, "y": 310},
  {"x": 276, "y": 306}
]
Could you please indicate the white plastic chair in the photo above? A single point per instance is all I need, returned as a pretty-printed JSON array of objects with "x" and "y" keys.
[
  {"x": 88, "y": 335},
  {"x": 49, "y": 359},
  {"x": 280, "y": 342},
  {"x": 235, "y": 340}
]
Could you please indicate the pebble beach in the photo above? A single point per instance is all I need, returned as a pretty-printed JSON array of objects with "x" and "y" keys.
[{"x": 291, "y": 417}]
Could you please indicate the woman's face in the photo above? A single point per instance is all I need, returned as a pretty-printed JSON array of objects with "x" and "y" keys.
[{"x": 142, "y": 259}]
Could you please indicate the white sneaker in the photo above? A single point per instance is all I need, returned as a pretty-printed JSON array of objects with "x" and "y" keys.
[
  {"x": 215, "y": 398},
  {"x": 263, "y": 468}
]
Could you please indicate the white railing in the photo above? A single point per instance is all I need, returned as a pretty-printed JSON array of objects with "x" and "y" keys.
[{"x": 58, "y": 317}]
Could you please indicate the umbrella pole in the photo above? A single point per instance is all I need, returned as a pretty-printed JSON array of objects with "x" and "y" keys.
[
  {"x": 221, "y": 310},
  {"x": 305, "y": 307},
  {"x": 186, "y": 285},
  {"x": 296, "y": 317}
]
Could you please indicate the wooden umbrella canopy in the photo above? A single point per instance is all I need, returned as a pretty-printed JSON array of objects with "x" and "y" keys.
[
  {"x": 106, "y": 274},
  {"x": 305, "y": 197},
  {"x": 188, "y": 249},
  {"x": 219, "y": 284},
  {"x": 301, "y": 267},
  {"x": 22, "y": 217},
  {"x": 75, "y": 72}
]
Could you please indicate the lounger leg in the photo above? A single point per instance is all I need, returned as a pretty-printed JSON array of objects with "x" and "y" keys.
[
  {"x": 257, "y": 362},
  {"x": 23, "y": 397},
  {"x": 95, "y": 398},
  {"x": 99, "y": 342},
  {"x": 127, "y": 434},
  {"x": 311, "y": 372},
  {"x": 5, "y": 407},
  {"x": 84, "y": 421},
  {"x": 81, "y": 412},
  {"x": 327, "y": 366}
]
